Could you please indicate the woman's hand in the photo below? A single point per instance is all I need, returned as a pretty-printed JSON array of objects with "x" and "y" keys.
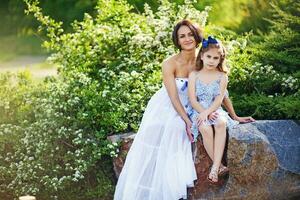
[
  {"x": 244, "y": 119},
  {"x": 202, "y": 117},
  {"x": 188, "y": 126}
]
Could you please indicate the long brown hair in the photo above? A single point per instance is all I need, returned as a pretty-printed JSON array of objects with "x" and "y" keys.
[
  {"x": 222, "y": 65},
  {"x": 195, "y": 29}
]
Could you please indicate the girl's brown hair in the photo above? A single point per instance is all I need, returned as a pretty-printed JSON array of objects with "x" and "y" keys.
[{"x": 222, "y": 65}]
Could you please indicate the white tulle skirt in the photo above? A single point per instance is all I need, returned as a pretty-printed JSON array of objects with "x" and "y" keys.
[{"x": 159, "y": 164}]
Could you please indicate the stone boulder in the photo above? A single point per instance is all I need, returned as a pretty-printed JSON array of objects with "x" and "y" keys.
[{"x": 263, "y": 158}]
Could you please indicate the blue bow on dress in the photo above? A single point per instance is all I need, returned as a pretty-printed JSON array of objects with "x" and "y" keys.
[
  {"x": 210, "y": 40},
  {"x": 185, "y": 85}
]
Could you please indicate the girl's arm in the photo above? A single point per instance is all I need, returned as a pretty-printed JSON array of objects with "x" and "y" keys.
[
  {"x": 192, "y": 93},
  {"x": 168, "y": 71}
]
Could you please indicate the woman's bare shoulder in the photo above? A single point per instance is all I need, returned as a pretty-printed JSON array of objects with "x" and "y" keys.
[{"x": 170, "y": 63}]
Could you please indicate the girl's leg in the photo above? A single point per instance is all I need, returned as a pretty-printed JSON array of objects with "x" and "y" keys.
[
  {"x": 208, "y": 142},
  {"x": 208, "y": 139},
  {"x": 219, "y": 142}
]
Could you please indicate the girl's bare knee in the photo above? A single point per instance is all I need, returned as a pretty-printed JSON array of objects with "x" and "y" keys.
[
  {"x": 204, "y": 129},
  {"x": 221, "y": 123}
]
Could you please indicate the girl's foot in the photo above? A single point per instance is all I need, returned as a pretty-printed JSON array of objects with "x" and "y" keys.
[
  {"x": 213, "y": 175},
  {"x": 223, "y": 170}
]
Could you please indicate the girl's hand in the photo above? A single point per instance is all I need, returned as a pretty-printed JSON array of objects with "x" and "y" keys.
[
  {"x": 188, "y": 126},
  {"x": 202, "y": 117},
  {"x": 213, "y": 116}
]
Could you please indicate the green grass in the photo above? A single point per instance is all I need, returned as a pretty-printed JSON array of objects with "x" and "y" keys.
[
  {"x": 13, "y": 46},
  {"x": 38, "y": 71}
]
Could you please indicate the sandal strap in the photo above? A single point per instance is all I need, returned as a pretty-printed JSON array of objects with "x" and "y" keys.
[
  {"x": 214, "y": 171},
  {"x": 214, "y": 168},
  {"x": 222, "y": 168}
]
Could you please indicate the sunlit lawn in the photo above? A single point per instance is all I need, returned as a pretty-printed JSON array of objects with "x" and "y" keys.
[
  {"x": 37, "y": 66},
  {"x": 19, "y": 53}
]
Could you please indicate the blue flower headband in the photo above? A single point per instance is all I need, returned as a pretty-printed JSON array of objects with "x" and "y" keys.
[{"x": 210, "y": 40}]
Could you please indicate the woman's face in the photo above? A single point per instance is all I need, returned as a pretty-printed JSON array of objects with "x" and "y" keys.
[
  {"x": 211, "y": 58},
  {"x": 186, "y": 38}
]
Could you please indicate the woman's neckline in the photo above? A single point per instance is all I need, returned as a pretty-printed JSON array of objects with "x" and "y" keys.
[{"x": 181, "y": 78}]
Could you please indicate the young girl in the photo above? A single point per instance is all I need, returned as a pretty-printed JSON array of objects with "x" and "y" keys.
[{"x": 207, "y": 87}]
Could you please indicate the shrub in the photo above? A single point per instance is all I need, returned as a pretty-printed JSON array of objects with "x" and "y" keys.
[
  {"x": 267, "y": 107},
  {"x": 280, "y": 47}
]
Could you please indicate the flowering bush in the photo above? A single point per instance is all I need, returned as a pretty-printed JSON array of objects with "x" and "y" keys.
[
  {"x": 55, "y": 149},
  {"x": 263, "y": 79},
  {"x": 15, "y": 101}
]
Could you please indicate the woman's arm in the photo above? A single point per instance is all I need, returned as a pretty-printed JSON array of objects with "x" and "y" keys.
[
  {"x": 192, "y": 93},
  {"x": 169, "y": 81},
  {"x": 229, "y": 107},
  {"x": 168, "y": 71}
]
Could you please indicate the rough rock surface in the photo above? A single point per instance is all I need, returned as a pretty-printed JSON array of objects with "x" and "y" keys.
[{"x": 263, "y": 158}]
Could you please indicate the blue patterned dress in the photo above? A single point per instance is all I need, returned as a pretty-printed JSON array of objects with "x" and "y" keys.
[{"x": 206, "y": 94}]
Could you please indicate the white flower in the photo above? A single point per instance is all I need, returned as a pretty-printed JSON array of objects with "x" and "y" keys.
[
  {"x": 115, "y": 144},
  {"x": 134, "y": 73}
]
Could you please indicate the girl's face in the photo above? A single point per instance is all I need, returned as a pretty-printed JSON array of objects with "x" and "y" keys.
[
  {"x": 211, "y": 58},
  {"x": 186, "y": 38}
]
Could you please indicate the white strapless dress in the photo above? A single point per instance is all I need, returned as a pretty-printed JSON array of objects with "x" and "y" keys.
[{"x": 159, "y": 164}]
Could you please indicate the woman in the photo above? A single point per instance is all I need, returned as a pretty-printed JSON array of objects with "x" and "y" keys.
[{"x": 159, "y": 164}]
